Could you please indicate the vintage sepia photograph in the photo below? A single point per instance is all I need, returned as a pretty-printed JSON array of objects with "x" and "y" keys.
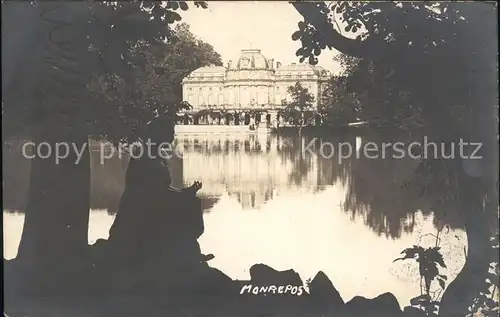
[{"x": 250, "y": 158}]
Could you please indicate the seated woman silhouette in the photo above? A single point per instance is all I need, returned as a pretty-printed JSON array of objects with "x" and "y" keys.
[{"x": 157, "y": 226}]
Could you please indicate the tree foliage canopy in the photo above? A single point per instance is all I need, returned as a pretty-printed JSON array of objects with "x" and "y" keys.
[
  {"x": 120, "y": 108},
  {"x": 302, "y": 100},
  {"x": 126, "y": 52},
  {"x": 435, "y": 63},
  {"x": 433, "y": 50}
]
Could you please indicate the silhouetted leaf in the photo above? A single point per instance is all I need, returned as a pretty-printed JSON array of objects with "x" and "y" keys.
[
  {"x": 172, "y": 5},
  {"x": 175, "y": 16},
  {"x": 410, "y": 253},
  {"x": 201, "y": 4},
  {"x": 433, "y": 254},
  {"x": 296, "y": 35}
]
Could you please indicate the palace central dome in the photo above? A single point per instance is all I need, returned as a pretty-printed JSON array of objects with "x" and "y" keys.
[{"x": 251, "y": 59}]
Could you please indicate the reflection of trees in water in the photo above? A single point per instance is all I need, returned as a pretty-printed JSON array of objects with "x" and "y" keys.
[
  {"x": 108, "y": 183},
  {"x": 388, "y": 191},
  {"x": 329, "y": 171},
  {"x": 107, "y": 179},
  {"x": 376, "y": 192},
  {"x": 377, "y": 189},
  {"x": 302, "y": 164}
]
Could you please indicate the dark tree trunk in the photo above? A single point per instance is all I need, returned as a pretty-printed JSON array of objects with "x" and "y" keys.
[
  {"x": 471, "y": 280},
  {"x": 57, "y": 213},
  {"x": 55, "y": 233},
  {"x": 479, "y": 185}
]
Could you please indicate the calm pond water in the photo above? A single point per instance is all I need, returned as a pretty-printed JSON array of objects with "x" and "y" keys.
[{"x": 265, "y": 202}]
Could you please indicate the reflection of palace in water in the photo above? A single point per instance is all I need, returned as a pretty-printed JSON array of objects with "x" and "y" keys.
[{"x": 253, "y": 168}]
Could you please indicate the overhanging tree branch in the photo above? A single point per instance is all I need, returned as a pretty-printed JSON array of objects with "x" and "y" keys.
[
  {"x": 311, "y": 13},
  {"x": 373, "y": 47}
]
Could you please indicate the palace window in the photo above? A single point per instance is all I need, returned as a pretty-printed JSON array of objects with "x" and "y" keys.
[{"x": 245, "y": 62}]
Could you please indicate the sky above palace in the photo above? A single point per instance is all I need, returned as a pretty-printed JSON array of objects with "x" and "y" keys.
[{"x": 235, "y": 25}]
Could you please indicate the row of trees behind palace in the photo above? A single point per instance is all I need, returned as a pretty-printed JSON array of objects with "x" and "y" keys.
[{"x": 357, "y": 94}]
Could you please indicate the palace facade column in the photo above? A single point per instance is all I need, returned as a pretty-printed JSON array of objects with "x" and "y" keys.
[
  {"x": 243, "y": 117},
  {"x": 252, "y": 119},
  {"x": 263, "y": 118}
]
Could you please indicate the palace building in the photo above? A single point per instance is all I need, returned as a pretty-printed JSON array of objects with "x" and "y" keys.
[{"x": 248, "y": 90}]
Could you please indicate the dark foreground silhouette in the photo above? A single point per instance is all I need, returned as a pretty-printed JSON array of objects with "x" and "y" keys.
[
  {"x": 152, "y": 265},
  {"x": 267, "y": 293}
]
